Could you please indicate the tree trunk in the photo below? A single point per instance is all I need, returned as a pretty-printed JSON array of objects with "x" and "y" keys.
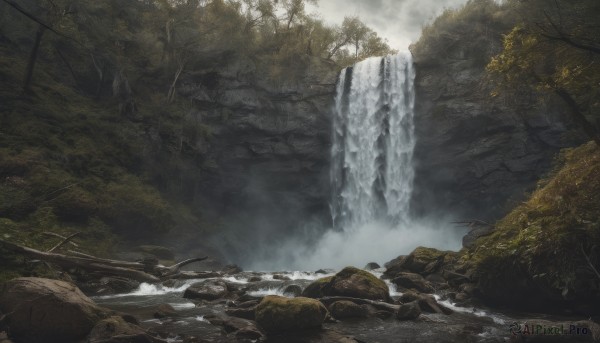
[{"x": 32, "y": 58}]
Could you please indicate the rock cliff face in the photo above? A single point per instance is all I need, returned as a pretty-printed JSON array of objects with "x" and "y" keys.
[
  {"x": 475, "y": 154},
  {"x": 269, "y": 145}
]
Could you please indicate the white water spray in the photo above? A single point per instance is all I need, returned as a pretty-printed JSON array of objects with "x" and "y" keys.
[{"x": 373, "y": 142}]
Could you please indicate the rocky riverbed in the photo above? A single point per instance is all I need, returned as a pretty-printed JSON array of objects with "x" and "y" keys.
[{"x": 413, "y": 299}]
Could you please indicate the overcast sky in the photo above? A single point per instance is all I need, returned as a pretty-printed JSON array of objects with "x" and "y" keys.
[{"x": 400, "y": 21}]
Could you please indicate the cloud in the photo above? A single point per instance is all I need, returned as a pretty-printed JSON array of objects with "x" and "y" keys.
[{"x": 399, "y": 21}]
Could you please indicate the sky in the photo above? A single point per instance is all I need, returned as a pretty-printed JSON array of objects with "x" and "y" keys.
[{"x": 399, "y": 21}]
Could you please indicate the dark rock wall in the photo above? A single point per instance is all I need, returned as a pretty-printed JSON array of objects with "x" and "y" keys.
[
  {"x": 476, "y": 155},
  {"x": 269, "y": 146}
]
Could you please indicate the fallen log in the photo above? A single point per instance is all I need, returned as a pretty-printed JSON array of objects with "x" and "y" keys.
[{"x": 132, "y": 270}]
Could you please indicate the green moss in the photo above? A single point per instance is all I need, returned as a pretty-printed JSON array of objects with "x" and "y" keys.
[
  {"x": 544, "y": 241},
  {"x": 275, "y": 313},
  {"x": 355, "y": 282},
  {"x": 318, "y": 288}
]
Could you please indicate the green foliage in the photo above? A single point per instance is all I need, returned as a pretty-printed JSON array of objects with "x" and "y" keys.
[
  {"x": 555, "y": 48},
  {"x": 483, "y": 21},
  {"x": 545, "y": 240}
]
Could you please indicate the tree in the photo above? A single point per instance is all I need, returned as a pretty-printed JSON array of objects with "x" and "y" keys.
[{"x": 556, "y": 49}]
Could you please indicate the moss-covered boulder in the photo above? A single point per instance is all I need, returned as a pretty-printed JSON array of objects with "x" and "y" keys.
[
  {"x": 349, "y": 282},
  {"x": 318, "y": 288},
  {"x": 422, "y": 260},
  {"x": 357, "y": 283},
  {"x": 275, "y": 313}
]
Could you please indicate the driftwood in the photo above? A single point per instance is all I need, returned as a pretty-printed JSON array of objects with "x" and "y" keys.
[
  {"x": 380, "y": 305},
  {"x": 52, "y": 234},
  {"x": 64, "y": 241},
  {"x": 133, "y": 270}
]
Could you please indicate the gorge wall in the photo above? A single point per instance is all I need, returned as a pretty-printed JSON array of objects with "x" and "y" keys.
[
  {"x": 270, "y": 143},
  {"x": 476, "y": 155}
]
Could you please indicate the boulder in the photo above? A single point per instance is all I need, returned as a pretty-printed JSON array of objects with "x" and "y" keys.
[
  {"x": 207, "y": 290},
  {"x": 275, "y": 313},
  {"x": 281, "y": 277},
  {"x": 295, "y": 290},
  {"x": 426, "y": 302},
  {"x": 347, "y": 309},
  {"x": 317, "y": 289},
  {"x": 422, "y": 260},
  {"x": 371, "y": 266},
  {"x": 357, "y": 283},
  {"x": 231, "y": 269},
  {"x": 242, "y": 312},
  {"x": 413, "y": 281},
  {"x": 164, "y": 310},
  {"x": 113, "y": 329},
  {"x": 408, "y": 311},
  {"x": 44, "y": 310}
]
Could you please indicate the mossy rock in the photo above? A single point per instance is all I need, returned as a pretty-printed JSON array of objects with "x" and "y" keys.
[
  {"x": 317, "y": 289},
  {"x": 357, "y": 283},
  {"x": 275, "y": 313},
  {"x": 422, "y": 256},
  {"x": 537, "y": 257}
]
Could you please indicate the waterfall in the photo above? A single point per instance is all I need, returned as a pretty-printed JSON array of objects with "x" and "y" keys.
[
  {"x": 371, "y": 175},
  {"x": 373, "y": 142}
]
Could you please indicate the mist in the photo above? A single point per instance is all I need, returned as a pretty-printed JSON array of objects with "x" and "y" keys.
[{"x": 374, "y": 242}]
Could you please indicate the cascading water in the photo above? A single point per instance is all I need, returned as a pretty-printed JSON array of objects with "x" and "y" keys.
[
  {"x": 373, "y": 142},
  {"x": 371, "y": 176}
]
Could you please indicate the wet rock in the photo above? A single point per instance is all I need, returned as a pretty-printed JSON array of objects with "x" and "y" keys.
[
  {"x": 357, "y": 283},
  {"x": 109, "y": 285},
  {"x": 318, "y": 288},
  {"x": 281, "y": 277},
  {"x": 461, "y": 297},
  {"x": 372, "y": 265},
  {"x": 247, "y": 304},
  {"x": 426, "y": 302},
  {"x": 408, "y": 311},
  {"x": 164, "y": 310},
  {"x": 254, "y": 279},
  {"x": 207, "y": 290},
  {"x": 468, "y": 288},
  {"x": 296, "y": 290},
  {"x": 413, "y": 281},
  {"x": 231, "y": 269},
  {"x": 347, "y": 309},
  {"x": 435, "y": 278},
  {"x": 323, "y": 271},
  {"x": 275, "y": 313},
  {"x": 246, "y": 313},
  {"x": 241, "y": 328},
  {"x": 113, "y": 329},
  {"x": 422, "y": 261},
  {"x": 189, "y": 275},
  {"x": 43, "y": 310}
]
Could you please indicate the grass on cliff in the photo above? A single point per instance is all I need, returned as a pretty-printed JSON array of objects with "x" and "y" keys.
[{"x": 553, "y": 239}]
